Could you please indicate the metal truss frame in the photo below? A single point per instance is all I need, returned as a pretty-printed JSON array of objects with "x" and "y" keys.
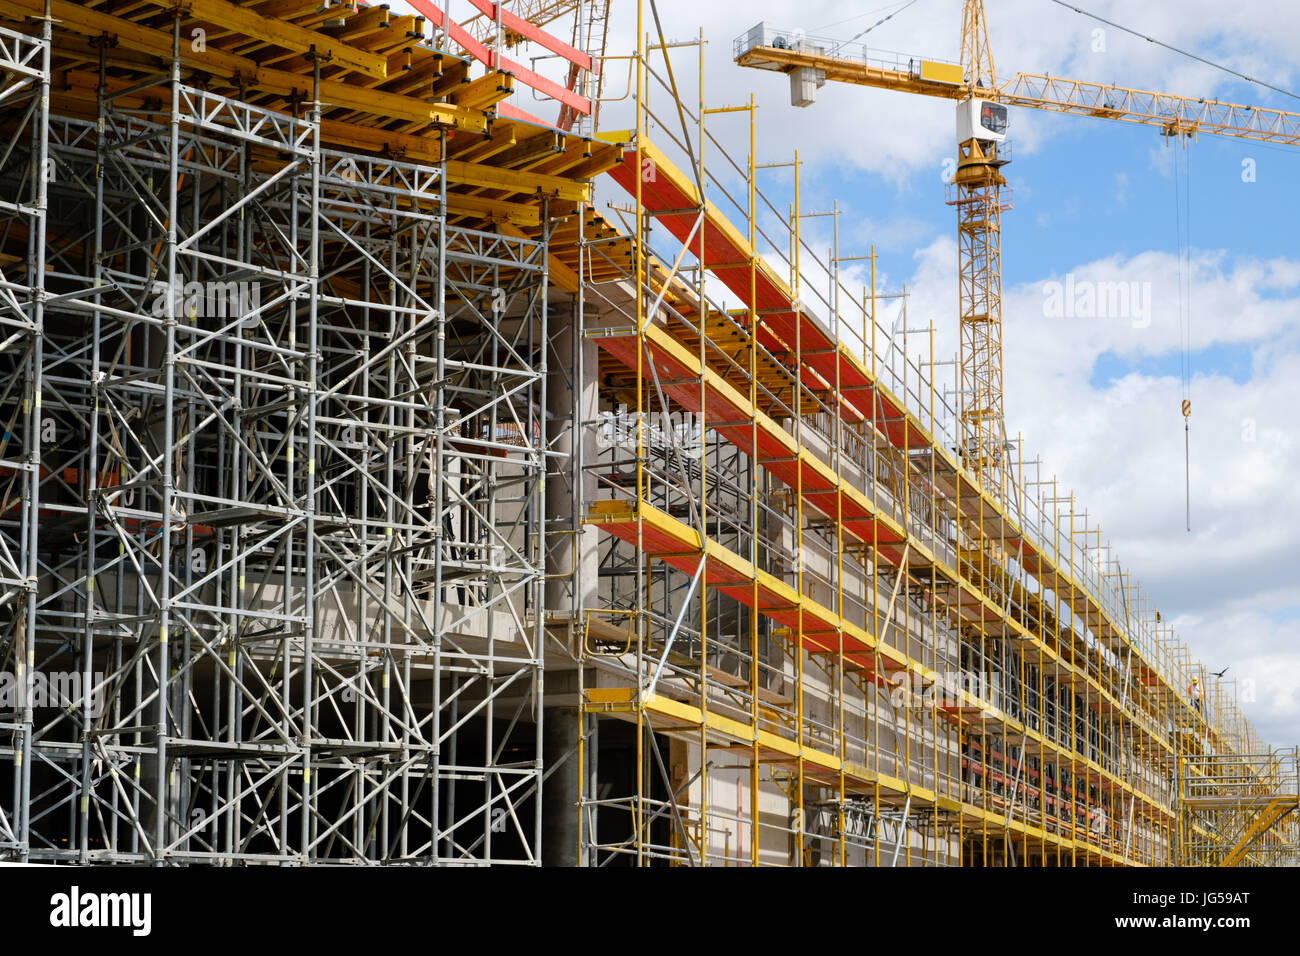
[{"x": 290, "y": 498}]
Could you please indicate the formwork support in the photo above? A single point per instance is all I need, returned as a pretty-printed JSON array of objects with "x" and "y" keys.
[
  {"x": 290, "y": 493},
  {"x": 24, "y": 166}
]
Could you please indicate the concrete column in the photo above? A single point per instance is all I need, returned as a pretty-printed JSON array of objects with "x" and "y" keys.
[
  {"x": 571, "y": 583},
  {"x": 561, "y": 790}
]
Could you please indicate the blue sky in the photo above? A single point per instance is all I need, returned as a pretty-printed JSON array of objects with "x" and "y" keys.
[
  {"x": 1097, "y": 398},
  {"x": 1092, "y": 188}
]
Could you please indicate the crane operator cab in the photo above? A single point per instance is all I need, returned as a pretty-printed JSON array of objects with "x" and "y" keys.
[
  {"x": 980, "y": 119},
  {"x": 985, "y": 123}
]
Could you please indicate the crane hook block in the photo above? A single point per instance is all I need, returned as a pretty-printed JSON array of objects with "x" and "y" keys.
[{"x": 1187, "y": 408}]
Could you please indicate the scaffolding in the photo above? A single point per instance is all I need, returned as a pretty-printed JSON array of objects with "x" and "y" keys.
[
  {"x": 275, "y": 462},
  {"x": 1240, "y": 808},
  {"x": 371, "y": 498},
  {"x": 25, "y": 66},
  {"x": 818, "y": 636}
]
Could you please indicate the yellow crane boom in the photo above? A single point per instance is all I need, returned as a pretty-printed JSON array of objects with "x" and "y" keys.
[
  {"x": 1173, "y": 115},
  {"x": 1170, "y": 114}
]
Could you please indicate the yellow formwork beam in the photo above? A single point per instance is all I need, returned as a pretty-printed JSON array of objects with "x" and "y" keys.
[
  {"x": 84, "y": 85},
  {"x": 248, "y": 73},
  {"x": 496, "y": 210},
  {"x": 252, "y": 24},
  {"x": 516, "y": 181}
]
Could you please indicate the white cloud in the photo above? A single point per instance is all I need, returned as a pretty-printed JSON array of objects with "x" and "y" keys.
[{"x": 1119, "y": 445}]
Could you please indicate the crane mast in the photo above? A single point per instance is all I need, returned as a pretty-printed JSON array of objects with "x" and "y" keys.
[{"x": 976, "y": 193}]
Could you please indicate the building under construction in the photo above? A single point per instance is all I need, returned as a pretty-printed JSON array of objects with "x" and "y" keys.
[{"x": 372, "y": 497}]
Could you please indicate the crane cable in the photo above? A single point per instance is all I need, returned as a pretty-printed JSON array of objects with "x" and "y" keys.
[
  {"x": 862, "y": 33},
  {"x": 1189, "y": 55},
  {"x": 859, "y": 16},
  {"x": 1183, "y": 236}
]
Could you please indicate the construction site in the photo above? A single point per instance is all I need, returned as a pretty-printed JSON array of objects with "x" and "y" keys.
[{"x": 374, "y": 495}]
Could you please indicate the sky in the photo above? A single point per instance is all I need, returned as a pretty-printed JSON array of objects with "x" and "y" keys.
[{"x": 1201, "y": 235}]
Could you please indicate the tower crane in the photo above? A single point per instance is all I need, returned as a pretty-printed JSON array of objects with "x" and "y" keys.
[{"x": 976, "y": 189}]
